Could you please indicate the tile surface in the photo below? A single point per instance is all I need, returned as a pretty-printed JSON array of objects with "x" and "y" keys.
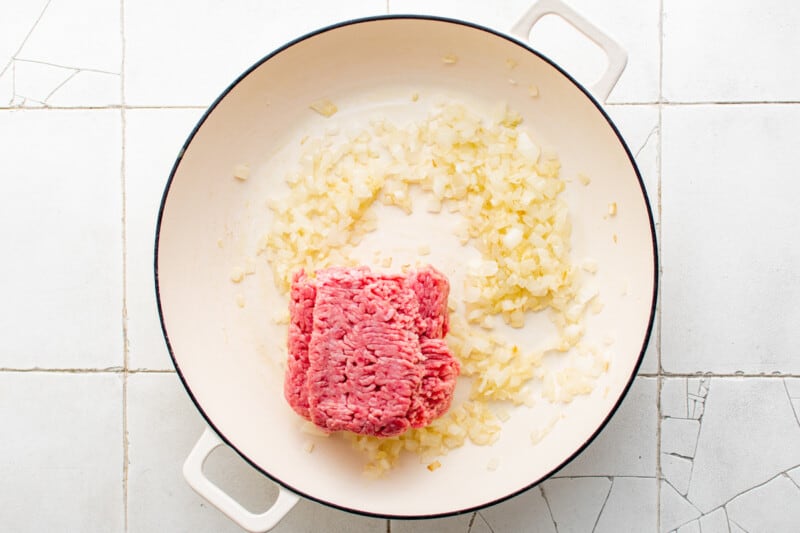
[
  {"x": 627, "y": 446},
  {"x": 62, "y": 204},
  {"x": 153, "y": 138},
  {"x": 470, "y": 522},
  {"x": 163, "y": 425},
  {"x": 728, "y": 216},
  {"x": 725, "y": 465},
  {"x": 612, "y": 482},
  {"x": 62, "y": 460},
  {"x": 158, "y": 497},
  {"x": 218, "y": 41},
  {"x": 60, "y": 53},
  {"x": 731, "y": 51},
  {"x": 96, "y": 98}
]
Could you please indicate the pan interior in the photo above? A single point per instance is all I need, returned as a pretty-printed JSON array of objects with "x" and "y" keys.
[{"x": 230, "y": 356}]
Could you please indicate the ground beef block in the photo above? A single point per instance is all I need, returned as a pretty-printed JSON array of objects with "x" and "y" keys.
[
  {"x": 366, "y": 350},
  {"x": 432, "y": 289},
  {"x": 301, "y": 310}
]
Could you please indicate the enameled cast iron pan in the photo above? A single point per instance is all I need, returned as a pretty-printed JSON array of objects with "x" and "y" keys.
[{"x": 229, "y": 358}]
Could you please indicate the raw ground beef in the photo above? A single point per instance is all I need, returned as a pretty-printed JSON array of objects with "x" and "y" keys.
[{"x": 367, "y": 351}]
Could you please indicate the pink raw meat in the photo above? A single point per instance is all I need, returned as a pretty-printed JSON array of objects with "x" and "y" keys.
[{"x": 366, "y": 350}]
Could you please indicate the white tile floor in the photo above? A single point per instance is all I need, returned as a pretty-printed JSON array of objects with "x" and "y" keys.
[
  {"x": 96, "y": 98},
  {"x": 216, "y": 44},
  {"x": 65, "y": 252},
  {"x": 728, "y": 211},
  {"x": 62, "y": 452}
]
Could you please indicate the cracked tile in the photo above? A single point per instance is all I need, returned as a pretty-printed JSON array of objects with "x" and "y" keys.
[
  {"x": 719, "y": 251},
  {"x": 217, "y": 44},
  {"x": 734, "y": 528},
  {"x": 714, "y": 522},
  {"x": 153, "y": 138},
  {"x": 63, "y": 192},
  {"x": 773, "y": 507},
  {"x": 697, "y": 389},
  {"x": 796, "y": 408},
  {"x": 691, "y": 527},
  {"x": 527, "y": 512},
  {"x": 792, "y": 387},
  {"x": 576, "y": 502},
  {"x": 627, "y": 446},
  {"x": 677, "y": 470},
  {"x": 87, "y": 88},
  {"x": 633, "y": 502},
  {"x": 674, "y": 402},
  {"x": 679, "y": 436},
  {"x": 696, "y": 407},
  {"x": 795, "y": 475},
  {"x": 53, "y": 42},
  {"x": 86, "y": 38},
  {"x": 793, "y": 391},
  {"x": 479, "y": 525},
  {"x": 638, "y": 126},
  {"x": 17, "y": 20},
  {"x": 675, "y": 509},
  {"x": 453, "y": 524},
  {"x": 737, "y": 448},
  {"x": 38, "y": 81}
]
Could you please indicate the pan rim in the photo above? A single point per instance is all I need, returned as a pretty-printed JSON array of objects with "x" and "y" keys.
[{"x": 496, "y": 33}]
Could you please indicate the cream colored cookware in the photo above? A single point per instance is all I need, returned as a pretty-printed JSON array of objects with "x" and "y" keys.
[{"x": 228, "y": 357}]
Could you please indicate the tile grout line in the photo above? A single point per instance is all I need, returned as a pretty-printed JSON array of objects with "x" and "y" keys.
[
  {"x": 121, "y": 370},
  {"x": 99, "y": 107},
  {"x": 131, "y": 371},
  {"x": 659, "y": 234},
  {"x": 125, "y": 450},
  {"x": 109, "y": 370},
  {"x": 723, "y": 375},
  {"x": 662, "y": 104},
  {"x": 125, "y": 339}
]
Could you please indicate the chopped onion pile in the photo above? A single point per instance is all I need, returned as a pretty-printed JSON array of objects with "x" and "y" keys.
[{"x": 491, "y": 171}]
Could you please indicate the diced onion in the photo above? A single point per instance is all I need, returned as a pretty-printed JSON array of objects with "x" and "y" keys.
[{"x": 507, "y": 191}]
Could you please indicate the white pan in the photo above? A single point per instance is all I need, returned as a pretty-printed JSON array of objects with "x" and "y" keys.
[{"x": 229, "y": 357}]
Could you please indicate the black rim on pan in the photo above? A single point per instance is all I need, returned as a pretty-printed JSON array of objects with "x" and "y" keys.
[{"x": 586, "y": 93}]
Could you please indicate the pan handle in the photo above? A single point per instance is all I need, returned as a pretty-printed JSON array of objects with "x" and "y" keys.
[
  {"x": 255, "y": 523},
  {"x": 617, "y": 57}
]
